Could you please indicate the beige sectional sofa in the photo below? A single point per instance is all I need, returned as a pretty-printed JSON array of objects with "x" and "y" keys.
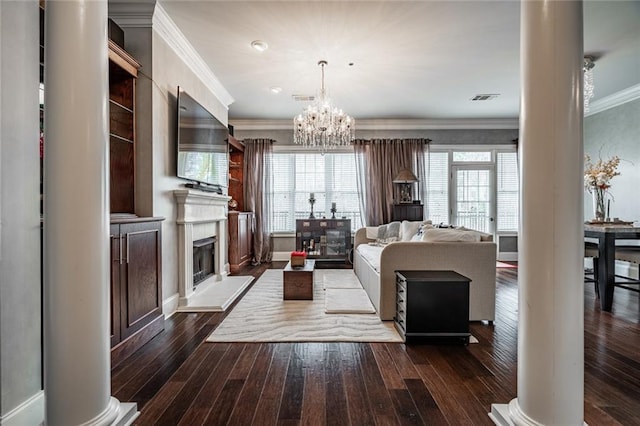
[{"x": 375, "y": 267}]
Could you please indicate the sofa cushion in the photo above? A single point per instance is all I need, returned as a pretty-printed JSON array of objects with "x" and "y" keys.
[
  {"x": 443, "y": 234},
  {"x": 408, "y": 229},
  {"x": 371, "y": 253}
]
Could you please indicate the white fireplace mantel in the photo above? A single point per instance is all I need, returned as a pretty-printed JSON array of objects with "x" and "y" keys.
[{"x": 200, "y": 215}]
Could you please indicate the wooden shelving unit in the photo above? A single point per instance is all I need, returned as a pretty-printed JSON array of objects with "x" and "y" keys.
[
  {"x": 236, "y": 163},
  {"x": 123, "y": 71}
]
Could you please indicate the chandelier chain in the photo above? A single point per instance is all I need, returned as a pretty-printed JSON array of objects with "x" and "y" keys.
[{"x": 587, "y": 67}]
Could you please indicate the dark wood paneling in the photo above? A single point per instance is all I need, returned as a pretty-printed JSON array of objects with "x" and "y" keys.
[
  {"x": 136, "y": 285},
  {"x": 115, "y": 272},
  {"x": 141, "y": 295},
  {"x": 177, "y": 379}
]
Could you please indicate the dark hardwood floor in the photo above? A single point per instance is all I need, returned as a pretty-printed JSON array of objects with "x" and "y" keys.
[{"x": 177, "y": 379}]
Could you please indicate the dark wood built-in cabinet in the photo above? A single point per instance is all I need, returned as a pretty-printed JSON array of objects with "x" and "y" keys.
[
  {"x": 240, "y": 239},
  {"x": 407, "y": 211},
  {"x": 136, "y": 282},
  {"x": 136, "y": 242}
]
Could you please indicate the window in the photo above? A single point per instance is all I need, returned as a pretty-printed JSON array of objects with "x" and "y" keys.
[
  {"x": 507, "y": 191},
  {"x": 331, "y": 178},
  {"x": 439, "y": 183},
  {"x": 472, "y": 156},
  {"x": 437, "y": 187}
]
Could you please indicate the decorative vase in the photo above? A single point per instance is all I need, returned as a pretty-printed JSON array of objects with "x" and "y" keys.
[{"x": 598, "y": 203}]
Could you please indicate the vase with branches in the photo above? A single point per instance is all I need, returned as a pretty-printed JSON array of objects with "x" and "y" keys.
[{"x": 597, "y": 178}]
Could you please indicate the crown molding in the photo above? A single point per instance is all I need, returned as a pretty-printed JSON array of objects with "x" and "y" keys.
[
  {"x": 137, "y": 14},
  {"x": 622, "y": 97},
  {"x": 171, "y": 34},
  {"x": 149, "y": 14},
  {"x": 391, "y": 124}
]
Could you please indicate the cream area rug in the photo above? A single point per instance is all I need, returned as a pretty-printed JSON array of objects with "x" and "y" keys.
[
  {"x": 347, "y": 301},
  {"x": 262, "y": 316}
]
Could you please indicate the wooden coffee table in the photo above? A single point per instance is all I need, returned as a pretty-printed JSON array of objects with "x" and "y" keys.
[{"x": 297, "y": 282}]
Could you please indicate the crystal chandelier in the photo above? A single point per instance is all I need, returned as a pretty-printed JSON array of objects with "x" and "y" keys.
[
  {"x": 321, "y": 125},
  {"x": 587, "y": 66}
]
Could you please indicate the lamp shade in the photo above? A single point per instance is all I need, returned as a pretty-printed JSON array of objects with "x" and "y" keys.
[{"x": 405, "y": 176}]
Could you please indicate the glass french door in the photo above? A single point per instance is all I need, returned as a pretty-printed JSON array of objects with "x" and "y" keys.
[{"x": 473, "y": 197}]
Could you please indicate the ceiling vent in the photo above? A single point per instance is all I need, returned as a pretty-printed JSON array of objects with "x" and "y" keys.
[
  {"x": 303, "y": 98},
  {"x": 485, "y": 97}
]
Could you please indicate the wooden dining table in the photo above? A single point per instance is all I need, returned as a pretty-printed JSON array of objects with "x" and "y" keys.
[{"x": 607, "y": 234}]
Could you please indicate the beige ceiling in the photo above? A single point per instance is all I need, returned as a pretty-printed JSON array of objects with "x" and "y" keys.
[{"x": 418, "y": 59}]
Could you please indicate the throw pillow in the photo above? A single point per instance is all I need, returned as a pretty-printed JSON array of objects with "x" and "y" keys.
[
  {"x": 442, "y": 234},
  {"x": 372, "y": 232},
  {"x": 423, "y": 226},
  {"x": 408, "y": 229},
  {"x": 388, "y": 233},
  {"x": 483, "y": 236}
]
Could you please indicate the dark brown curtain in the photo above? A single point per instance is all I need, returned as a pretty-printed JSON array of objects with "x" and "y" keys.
[
  {"x": 378, "y": 162},
  {"x": 257, "y": 184}
]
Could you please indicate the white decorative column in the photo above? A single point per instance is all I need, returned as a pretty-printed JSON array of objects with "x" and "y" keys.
[
  {"x": 76, "y": 218},
  {"x": 551, "y": 287}
]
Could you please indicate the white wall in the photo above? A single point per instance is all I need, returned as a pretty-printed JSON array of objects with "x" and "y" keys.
[
  {"x": 169, "y": 72},
  {"x": 162, "y": 72},
  {"x": 20, "y": 299},
  {"x": 617, "y": 132}
]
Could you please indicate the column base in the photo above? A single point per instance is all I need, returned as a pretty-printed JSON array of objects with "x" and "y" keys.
[
  {"x": 500, "y": 415},
  {"x": 116, "y": 414},
  {"x": 511, "y": 415},
  {"x": 127, "y": 413}
]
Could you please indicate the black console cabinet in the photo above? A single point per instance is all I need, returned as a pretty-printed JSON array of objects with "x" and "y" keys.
[
  {"x": 408, "y": 211},
  {"x": 432, "y": 304}
]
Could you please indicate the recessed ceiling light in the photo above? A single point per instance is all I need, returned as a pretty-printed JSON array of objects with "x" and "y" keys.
[
  {"x": 259, "y": 45},
  {"x": 275, "y": 89}
]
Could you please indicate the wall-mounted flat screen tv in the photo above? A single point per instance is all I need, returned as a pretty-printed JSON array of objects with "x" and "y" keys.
[{"x": 202, "y": 144}]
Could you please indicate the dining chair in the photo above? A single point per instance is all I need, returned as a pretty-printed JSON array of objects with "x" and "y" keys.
[
  {"x": 629, "y": 254},
  {"x": 591, "y": 274}
]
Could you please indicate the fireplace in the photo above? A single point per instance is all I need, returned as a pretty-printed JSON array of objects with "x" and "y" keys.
[
  {"x": 203, "y": 259},
  {"x": 201, "y": 218}
]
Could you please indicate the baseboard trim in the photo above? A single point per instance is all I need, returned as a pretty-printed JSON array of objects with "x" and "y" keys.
[
  {"x": 281, "y": 256},
  {"x": 170, "y": 304},
  {"x": 30, "y": 412},
  {"x": 134, "y": 342}
]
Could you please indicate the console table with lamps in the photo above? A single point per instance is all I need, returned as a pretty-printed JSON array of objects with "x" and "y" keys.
[{"x": 407, "y": 208}]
